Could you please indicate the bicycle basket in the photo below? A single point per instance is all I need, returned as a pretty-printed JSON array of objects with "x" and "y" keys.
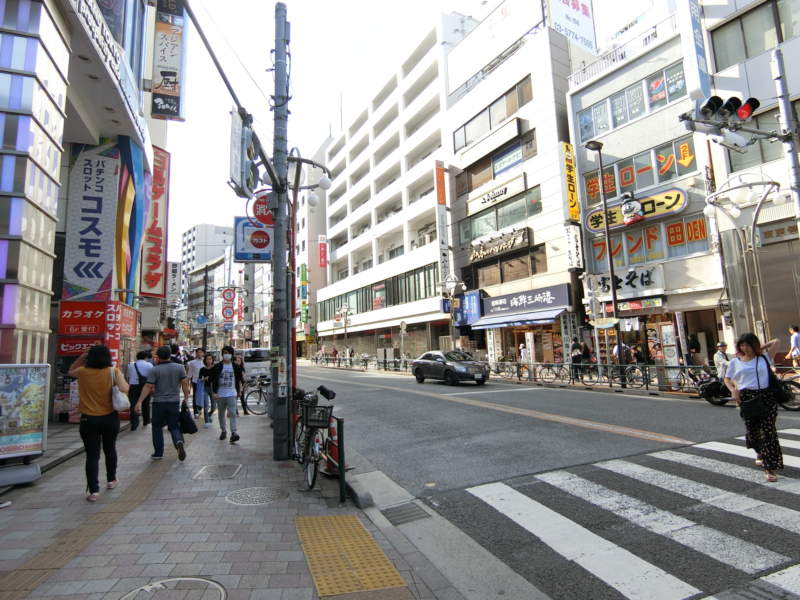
[{"x": 316, "y": 415}]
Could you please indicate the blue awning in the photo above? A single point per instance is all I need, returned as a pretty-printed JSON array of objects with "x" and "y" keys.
[{"x": 537, "y": 317}]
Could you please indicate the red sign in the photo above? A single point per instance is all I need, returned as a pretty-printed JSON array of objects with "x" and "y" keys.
[
  {"x": 154, "y": 244},
  {"x": 227, "y": 313},
  {"x": 228, "y": 294},
  {"x": 240, "y": 309},
  {"x": 259, "y": 239},
  {"x": 323, "y": 255},
  {"x": 261, "y": 211},
  {"x": 68, "y": 346},
  {"x": 82, "y": 318}
]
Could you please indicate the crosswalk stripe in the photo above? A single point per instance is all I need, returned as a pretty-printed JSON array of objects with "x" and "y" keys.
[
  {"x": 617, "y": 567},
  {"x": 720, "y": 546},
  {"x": 749, "y": 474},
  {"x": 789, "y": 461},
  {"x": 772, "y": 514},
  {"x": 790, "y": 431},
  {"x": 787, "y": 579},
  {"x": 785, "y": 443}
]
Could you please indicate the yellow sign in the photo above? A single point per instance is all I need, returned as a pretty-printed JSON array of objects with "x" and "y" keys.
[
  {"x": 640, "y": 209},
  {"x": 571, "y": 183}
]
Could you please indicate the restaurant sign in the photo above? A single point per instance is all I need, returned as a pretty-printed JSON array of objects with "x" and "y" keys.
[
  {"x": 669, "y": 202},
  {"x": 510, "y": 188},
  {"x": 554, "y": 296},
  {"x": 634, "y": 283},
  {"x": 519, "y": 238}
]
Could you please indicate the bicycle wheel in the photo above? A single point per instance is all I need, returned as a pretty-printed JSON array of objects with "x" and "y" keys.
[
  {"x": 635, "y": 377},
  {"x": 523, "y": 372},
  {"x": 589, "y": 374},
  {"x": 312, "y": 457},
  {"x": 256, "y": 402},
  {"x": 299, "y": 441},
  {"x": 547, "y": 374},
  {"x": 793, "y": 390}
]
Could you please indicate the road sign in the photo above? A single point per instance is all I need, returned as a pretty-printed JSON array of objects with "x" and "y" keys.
[
  {"x": 227, "y": 313},
  {"x": 201, "y": 319},
  {"x": 261, "y": 211},
  {"x": 253, "y": 241},
  {"x": 228, "y": 294},
  {"x": 227, "y": 326}
]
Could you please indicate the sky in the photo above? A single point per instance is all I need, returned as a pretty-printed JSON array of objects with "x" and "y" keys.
[{"x": 340, "y": 50}]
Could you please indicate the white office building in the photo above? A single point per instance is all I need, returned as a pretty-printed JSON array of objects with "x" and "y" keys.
[{"x": 201, "y": 244}]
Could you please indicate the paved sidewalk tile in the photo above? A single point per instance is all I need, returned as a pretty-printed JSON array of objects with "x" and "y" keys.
[{"x": 164, "y": 522}]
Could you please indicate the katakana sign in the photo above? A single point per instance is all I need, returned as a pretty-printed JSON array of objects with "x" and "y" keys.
[
  {"x": 168, "y": 60},
  {"x": 669, "y": 202},
  {"x": 252, "y": 241},
  {"x": 91, "y": 225},
  {"x": 154, "y": 246},
  {"x": 82, "y": 318},
  {"x": 573, "y": 205},
  {"x": 554, "y": 296}
]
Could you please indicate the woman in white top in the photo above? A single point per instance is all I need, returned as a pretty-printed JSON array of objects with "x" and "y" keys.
[{"x": 747, "y": 377}]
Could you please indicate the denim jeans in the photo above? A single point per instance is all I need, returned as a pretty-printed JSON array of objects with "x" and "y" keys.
[
  {"x": 97, "y": 432},
  {"x": 227, "y": 403},
  {"x": 165, "y": 413},
  {"x": 204, "y": 396}
]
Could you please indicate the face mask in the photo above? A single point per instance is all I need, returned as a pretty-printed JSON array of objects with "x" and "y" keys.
[{"x": 226, "y": 357}]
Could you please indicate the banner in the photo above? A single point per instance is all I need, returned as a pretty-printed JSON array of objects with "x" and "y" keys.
[
  {"x": 323, "y": 252},
  {"x": 573, "y": 206},
  {"x": 575, "y": 21},
  {"x": 91, "y": 225},
  {"x": 24, "y": 390},
  {"x": 168, "y": 61},
  {"x": 153, "y": 281}
]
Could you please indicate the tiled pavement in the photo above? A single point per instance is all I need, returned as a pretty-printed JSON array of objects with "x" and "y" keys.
[{"x": 162, "y": 523}]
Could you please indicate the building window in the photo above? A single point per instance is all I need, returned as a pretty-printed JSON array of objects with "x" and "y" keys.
[
  {"x": 515, "y": 267},
  {"x": 395, "y": 252},
  {"x": 494, "y": 114},
  {"x": 303, "y": 245},
  {"x": 659, "y": 89},
  {"x": 488, "y": 274},
  {"x": 506, "y": 214},
  {"x": 763, "y": 150},
  {"x": 754, "y": 32}
]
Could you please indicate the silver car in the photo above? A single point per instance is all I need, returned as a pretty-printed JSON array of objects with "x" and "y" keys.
[{"x": 452, "y": 367}]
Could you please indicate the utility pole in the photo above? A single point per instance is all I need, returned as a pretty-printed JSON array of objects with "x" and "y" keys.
[
  {"x": 205, "y": 308},
  {"x": 278, "y": 207},
  {"x": 789, "y": 132}
]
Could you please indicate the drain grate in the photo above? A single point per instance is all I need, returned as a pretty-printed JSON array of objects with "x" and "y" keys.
[
  {"x": 218, "y": 472},
  {"x": 404, "y": 513},
  {"x": 256, "y": 496}
]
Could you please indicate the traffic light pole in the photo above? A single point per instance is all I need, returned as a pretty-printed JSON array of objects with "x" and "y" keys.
[
  {"x": 278, "y": 207},
  {"x": 789, "y": 131}
]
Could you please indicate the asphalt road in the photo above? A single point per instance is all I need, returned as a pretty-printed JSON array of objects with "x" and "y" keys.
[{"x": 585, "y": 494}]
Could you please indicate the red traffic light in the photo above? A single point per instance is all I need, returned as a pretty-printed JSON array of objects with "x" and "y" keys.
[{"x": 748, "y": 108}]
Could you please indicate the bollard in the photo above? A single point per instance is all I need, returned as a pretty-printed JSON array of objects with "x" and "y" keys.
[{"x": 342, "y": 463}]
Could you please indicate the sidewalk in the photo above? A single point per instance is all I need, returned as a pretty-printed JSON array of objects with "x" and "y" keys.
[{"x": 182, "y": 520}]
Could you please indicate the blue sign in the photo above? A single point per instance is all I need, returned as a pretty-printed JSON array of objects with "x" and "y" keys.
[
  {"x": 467, "y": 308},
  {"x": 228, "y": 326},
  {"x": 252, "y": 241},
  {"x": 201, "y": 319},
  {"x": 698, "y": 81}
]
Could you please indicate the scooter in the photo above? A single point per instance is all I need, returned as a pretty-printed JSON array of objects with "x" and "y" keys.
[{"x": 709, "y": 387}]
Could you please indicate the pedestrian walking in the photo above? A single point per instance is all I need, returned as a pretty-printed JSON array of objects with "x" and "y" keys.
[
  {"x": 747, "y": 377},
  {"x": 165, "y": 383},
  {"x": 99, "y": 425},
  {"x": 721, "y": 359},
  {"x": 576, "y": 357},
  {"x": 193, "y": 372},
  {"x": 227, "y": 379},
  {"x": 137, "y": 374},
  {"x": 208, "y": 400},
  {"x": 794, "y": 345}
]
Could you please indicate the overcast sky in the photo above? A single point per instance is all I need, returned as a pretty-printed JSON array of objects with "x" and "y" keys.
[{"x": 337, "y": 46}]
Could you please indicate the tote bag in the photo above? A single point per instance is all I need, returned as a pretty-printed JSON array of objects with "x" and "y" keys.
[{"x": 119, "y": 400}]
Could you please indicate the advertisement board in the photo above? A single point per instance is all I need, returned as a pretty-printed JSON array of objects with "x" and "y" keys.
[
  {"x": 253, "y": 241},
  {"x": 572, "y": 204},
  {"x": 153, "y": 282},
  {"x": 323, "y": 251},
  {"x": 82, "y": 318},
  {"x": 621, "y": 214},
  {"x": 23, "y": 409},
  {"x": 168, "y": 61},
  {"x": 575, "y": 21}
]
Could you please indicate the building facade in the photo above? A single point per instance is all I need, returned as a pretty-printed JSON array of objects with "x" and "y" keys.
[{"x": 203, "y": 243}]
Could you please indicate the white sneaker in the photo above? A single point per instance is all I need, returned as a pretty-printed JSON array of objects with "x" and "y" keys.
[{"x": 206, "y": 425}]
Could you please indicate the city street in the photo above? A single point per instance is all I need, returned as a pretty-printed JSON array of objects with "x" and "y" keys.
[{"x": 583, "y": 494}]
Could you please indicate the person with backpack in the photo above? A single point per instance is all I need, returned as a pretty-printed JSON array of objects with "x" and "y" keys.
[{"x": 137, "y": 373}]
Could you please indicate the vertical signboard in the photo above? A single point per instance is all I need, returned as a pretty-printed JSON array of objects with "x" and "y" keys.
[
  {"x": 91, "y": 225},
  {"x": 441, "y": 221},
  {"x": 174, "y": 283},
  {"x": 574, "y": 246},
  {"x": 323, "y": 252},
  {"x": 698, "y": 81},
  {"x": 574, "y": 19},
  {"x": 168, "y": 61},
  {"x": 24, "y": 390},
  {"x": 154, "y": 248},
  {"x": 572, "y": 205}
]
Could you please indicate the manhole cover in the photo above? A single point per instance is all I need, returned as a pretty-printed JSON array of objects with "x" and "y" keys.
[
  {"x": 178, "y": 587},
  {"x": 404, "y": 513},
  {"x": 218, "y": 472},
  {"x": 256, "y": 495}
]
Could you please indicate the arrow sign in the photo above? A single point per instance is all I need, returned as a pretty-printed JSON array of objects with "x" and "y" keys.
[{"x": 89, "y": 270}]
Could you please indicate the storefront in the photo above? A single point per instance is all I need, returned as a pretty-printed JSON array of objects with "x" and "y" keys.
[{"x": 537, "y": 320}]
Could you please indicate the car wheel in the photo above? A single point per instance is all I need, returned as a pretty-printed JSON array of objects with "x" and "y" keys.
[
  {"x": 420, "y": 377},
  {"x": 450, "y": 378},
  {"x": 480, "y": 381}
]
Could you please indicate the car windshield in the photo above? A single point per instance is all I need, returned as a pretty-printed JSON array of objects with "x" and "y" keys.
[
  {"x": 456, "y": 355},
  {"x": 256, "y": 356}
]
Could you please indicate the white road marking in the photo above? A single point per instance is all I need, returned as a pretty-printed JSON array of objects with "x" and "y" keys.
[
  {"x": 784, "y": 442},
  {"x": 789, "y": 431},
  {"x": 789, "y": 461},
  {"x": 788, "y": 579},
  {"x": 715, "y": 544},
  {"x": 536, "y": 389},
  {"x": 750, "y": 474},
  {"x": 772, "y": 514},
  {"x": 624, "y": 571}
]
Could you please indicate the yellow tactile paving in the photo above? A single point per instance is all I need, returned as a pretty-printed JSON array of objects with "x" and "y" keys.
[{"x": 343, "y": 557}]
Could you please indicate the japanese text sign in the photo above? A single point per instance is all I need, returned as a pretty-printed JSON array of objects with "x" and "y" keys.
[
  {"x": 467, "y": 308},
  {"x": 323, "y": 252},
  {"x": 154, "y": 245},
  {"x": 573, "y": 206},
  {"x": 670, "y": 202},
  {"x": 253, "y": 241},
  {"x": 637, "y": 282},
  {"x": 82, "y": 318},
  {"x": 168, "y": 61},
  {"x": 68, "y": 346},
  {"x": 554, "y": 296},
  {"x": 575, "y": 21}
]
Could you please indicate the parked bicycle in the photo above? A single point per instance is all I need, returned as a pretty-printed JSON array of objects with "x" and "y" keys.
[
  {"x": 257, "y": 396},
  {"x": 311, "y": 443}
]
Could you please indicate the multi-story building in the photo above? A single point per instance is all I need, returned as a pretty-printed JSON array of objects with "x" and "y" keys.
[
  {"x": 203, "y": 243},
  {"x": 382, "y": 255},
  {"x": 669, "y": 282},
  {"x": 740, "y": 38}
]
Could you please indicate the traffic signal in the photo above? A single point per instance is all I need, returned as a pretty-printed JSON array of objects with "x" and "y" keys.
[
  {"x": 715, "y": 109},
  {"x": 711, "y": 106},
  {"x": 748, "y": 108},
  {"x": 249, "y": 175}
]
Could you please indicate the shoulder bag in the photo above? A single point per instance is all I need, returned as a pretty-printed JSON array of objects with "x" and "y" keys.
[
  {"x": 186, "y": 421},
  {"x": 119, "y": 401},
  {"x": 779, "y": 393}
]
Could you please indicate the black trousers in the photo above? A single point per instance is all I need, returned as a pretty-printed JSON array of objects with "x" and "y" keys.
[
  {"x": 133, "y": 396},
  {"x": 99, "y": 432}
]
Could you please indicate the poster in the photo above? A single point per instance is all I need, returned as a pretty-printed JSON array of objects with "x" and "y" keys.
[
  {"x": 24, "y": 391},
  {"x": 168, "y": 61}
]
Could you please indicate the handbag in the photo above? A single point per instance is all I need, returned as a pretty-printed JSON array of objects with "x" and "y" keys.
[
  {"x": 779, "y": 393},
  {"x": 119, "y": 401},
  {"x": 187, "y": 420},
  {"x": 757, "y": 407}
]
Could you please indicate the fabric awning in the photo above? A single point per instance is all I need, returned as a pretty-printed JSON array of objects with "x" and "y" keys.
[{"x": 537, "y": 317}]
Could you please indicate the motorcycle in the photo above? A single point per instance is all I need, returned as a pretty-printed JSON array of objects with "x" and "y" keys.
[{"x": 709, "y": 387}]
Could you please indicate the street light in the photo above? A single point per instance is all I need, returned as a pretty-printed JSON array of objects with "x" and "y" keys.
[{"x": 595, "y": 146}]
